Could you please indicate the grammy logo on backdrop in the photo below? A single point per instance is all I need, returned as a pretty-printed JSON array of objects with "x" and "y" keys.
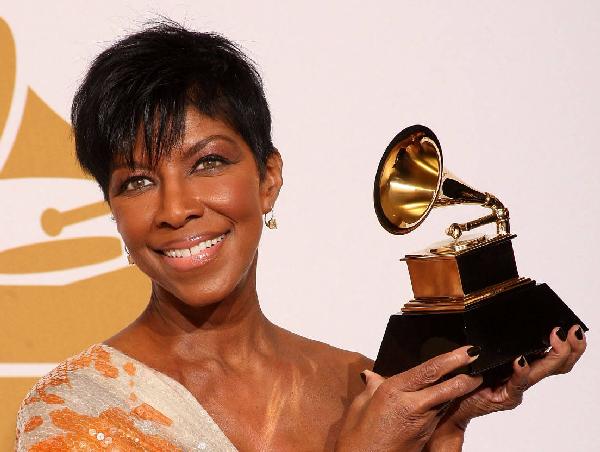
[
  {"x": 466, "y": 289},
  {"x": 64, "y": 282},
  {"x": 60, "y": 254},
  {"x": 42, "y": 191}
]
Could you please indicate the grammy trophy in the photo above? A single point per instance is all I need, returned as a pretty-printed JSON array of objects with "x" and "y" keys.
[{"x": 467, "y": 290}]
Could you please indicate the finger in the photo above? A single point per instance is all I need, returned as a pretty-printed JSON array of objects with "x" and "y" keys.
[
  {"x": 437, "y": 396},
  {"x": 372, "y": 381},
  {"x": 554, "y": 360},
  {"x": 358, "y": 405},
  {"x": 519, "y": 380},
  {"x": 429, "y": 372},
  {"x": 511, "y": 393},
  {"x": 577, "y": 341}
]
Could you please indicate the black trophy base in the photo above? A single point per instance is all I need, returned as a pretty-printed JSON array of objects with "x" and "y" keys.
[{"x": 505, "y": 326}]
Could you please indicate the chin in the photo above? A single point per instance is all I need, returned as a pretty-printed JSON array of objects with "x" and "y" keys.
[
  {"x": 204, "y": 298},
  {"x": 201, "y": 292},
  {"x": 218, "y": 280}
]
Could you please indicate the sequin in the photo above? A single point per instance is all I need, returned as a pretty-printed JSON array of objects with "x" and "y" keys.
[
  {"x": 33, "y": 423},
  {"x": 129, "y": 368}
]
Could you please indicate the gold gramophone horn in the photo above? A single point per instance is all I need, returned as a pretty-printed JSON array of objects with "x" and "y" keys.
[{"x": 411, "y": 180}]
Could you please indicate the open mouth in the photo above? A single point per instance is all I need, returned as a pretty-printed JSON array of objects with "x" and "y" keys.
[{"x": 195, "y": 250}]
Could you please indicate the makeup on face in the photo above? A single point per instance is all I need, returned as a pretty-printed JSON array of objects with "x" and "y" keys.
[
  {"x": 208, "y": 156},
  {"x": 193, "y": 221}
]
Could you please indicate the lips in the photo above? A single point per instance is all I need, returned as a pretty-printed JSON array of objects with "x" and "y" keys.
[
  {"x": 193, "y": 252},
  {"x": 189, "y": 242}
]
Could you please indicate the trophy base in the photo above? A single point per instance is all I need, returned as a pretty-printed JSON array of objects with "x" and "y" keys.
[{"x": 506, "y": 325}]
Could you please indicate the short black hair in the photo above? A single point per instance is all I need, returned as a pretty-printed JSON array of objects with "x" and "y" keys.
[{"x": 146, "y": 81}]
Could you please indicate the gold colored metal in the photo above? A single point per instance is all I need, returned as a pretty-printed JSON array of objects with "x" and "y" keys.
[
  {"x": 431, "y": 277},
  {"x": 411, "y": 180},
  {"x": 452, "y": 304},
  {"x": 436, "y": 271},
  {"x": 451, "y": 247},
  {"x": 271, "y": 223}
]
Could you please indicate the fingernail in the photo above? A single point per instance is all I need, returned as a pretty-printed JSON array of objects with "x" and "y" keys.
[
  {"x": 474, "y": 351},
  {"x": 562, "y": 334},
  {"x": 363, "y": 377},
  {"x": 579, "y": 334},
  {"x": 522, "y": 361}
]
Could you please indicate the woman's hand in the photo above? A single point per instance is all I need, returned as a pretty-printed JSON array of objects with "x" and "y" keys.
[
  {"x": 567, "y": 348},
  {"x": 401, "y": 412}
]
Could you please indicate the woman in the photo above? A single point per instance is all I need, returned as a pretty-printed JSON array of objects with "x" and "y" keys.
[{"x": 175, "y": 128}]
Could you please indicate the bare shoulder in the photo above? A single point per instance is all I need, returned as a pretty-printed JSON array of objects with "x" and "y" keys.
[
  {"x": 337, "y": 363},
  {"x": 339, "y": 357}
]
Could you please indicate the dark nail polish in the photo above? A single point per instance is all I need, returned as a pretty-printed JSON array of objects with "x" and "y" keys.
[
  {"x": 562, "y": 334},
  {"x": 474, "y": 351},
  {"x": 363, "y": 377},
  {"x": 579, "y": 334},
  {"x": 522, "y": 361}
]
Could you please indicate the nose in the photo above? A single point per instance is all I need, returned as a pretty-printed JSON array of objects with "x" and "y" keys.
[{"x": 178, "y": 205}]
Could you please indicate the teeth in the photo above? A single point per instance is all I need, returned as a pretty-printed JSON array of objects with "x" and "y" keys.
[{"x": 186, "y": 252}]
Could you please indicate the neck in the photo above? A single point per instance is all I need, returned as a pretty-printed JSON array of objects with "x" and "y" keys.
[{"x": 229, "y": 331}]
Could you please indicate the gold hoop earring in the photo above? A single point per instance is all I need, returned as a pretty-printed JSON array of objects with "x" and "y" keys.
[
  {"x": 129, "y": 258},
  {"x": 271, "y": 223}
]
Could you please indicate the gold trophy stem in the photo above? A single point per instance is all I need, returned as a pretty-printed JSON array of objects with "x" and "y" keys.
[{"x": 499, "y": 216}]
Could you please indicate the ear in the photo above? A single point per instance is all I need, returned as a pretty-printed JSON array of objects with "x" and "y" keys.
[{"x": 272, "y": 181}]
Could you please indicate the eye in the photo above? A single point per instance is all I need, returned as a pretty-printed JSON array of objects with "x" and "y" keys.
[
  {"x": 210, "y": 162},
  {"x": 136, "y": 183}
]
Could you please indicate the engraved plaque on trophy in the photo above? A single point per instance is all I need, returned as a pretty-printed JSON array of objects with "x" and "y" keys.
[{"x": 467, "y": 290}]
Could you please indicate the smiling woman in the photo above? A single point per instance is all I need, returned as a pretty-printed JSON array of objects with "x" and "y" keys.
[
  {"x": 175, "y": 127},
  {"x": 202, "y": 204}
]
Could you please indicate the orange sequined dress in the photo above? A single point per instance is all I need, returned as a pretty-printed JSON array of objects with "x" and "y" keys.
[{"x": 104, "y": 400}]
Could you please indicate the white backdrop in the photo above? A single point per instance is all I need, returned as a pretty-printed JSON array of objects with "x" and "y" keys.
[{"x": 511, "y": 90}]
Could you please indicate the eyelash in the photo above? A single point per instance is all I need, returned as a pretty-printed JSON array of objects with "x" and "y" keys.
[
  {"x": 212, "y": 158},
  {"x": 219, "y": 160}
]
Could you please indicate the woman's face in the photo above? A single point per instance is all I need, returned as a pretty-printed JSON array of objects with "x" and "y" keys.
[{"x": 193, "y": 222}]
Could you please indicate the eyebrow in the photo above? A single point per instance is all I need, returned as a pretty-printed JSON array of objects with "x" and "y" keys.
[
  {"x": 199, "y": 145},
  {"x": 189, "y": 152}
]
